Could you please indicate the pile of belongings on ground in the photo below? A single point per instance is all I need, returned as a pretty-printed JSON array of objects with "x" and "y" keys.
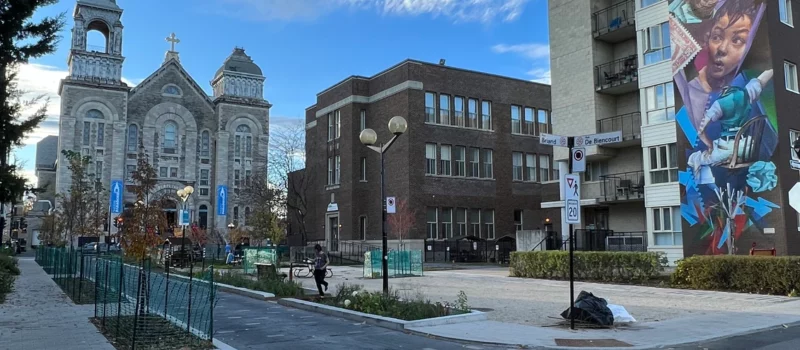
[{"x": 593, "y": 310}]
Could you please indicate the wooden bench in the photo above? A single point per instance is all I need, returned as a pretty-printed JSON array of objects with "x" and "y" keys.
[{"x": 762, "y": 252}]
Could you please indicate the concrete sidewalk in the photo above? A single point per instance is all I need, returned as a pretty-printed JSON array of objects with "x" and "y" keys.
[
  {"x": 646, "y": 335},
  {"x": 38, "y": 315}
]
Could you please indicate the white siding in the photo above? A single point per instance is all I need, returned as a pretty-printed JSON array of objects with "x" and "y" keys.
[
  {"x": 657, "y": 73},
  {"x": 651, "y": 15},
  {"x": 662, "y": 195},
  {"x": 658, "y": 134}
]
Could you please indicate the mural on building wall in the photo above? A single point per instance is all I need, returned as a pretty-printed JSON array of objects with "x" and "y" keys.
[{"x": 726, "y": 115}]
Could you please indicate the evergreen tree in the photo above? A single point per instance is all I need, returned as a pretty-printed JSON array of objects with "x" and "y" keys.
[{"x": 21, "y": 39}]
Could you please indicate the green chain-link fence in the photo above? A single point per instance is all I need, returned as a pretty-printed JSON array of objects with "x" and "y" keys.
[
  {"x": 401, "y": 263},
  {"x": 136, "y": 307}
]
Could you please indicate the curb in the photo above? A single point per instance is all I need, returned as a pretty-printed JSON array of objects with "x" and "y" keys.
[
  {"x": 380, "y": 321},
  {"x": 238, "y": 290}
]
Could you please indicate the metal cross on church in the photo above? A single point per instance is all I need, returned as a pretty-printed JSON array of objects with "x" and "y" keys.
[{"x": 172, "y": 39}]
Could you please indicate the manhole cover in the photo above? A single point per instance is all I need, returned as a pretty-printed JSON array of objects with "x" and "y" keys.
[{"x": 592, "y": 343}]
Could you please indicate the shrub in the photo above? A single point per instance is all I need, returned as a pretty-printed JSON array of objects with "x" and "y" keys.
[
  {"x": 742, "y": 273},
  {"x": 8, "y": 265},
  {"x": 353, "y": 297},
  {"x": 8, "y": 251},
  {"x": 278, "y": 287},
  {"x": 591, "y": 266},
  {"x": 6, "y": 285}
]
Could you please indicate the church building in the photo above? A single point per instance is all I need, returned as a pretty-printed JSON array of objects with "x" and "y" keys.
[{"x": 212, "y": 143}]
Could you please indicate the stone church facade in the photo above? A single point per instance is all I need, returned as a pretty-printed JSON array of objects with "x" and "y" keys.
[{"x": 212, "y": 143}]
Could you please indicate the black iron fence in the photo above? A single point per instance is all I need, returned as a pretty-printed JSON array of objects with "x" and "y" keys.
[
  {"x": 629, "y": 124},
  {"x": 608, "y": 240},
  {"x": 346, "y": 253},
  {"x": 613, "y": 17},
  {"x": 623, "y": 186},
  {"x": 469, "y": 250},
  {"x": 617, "y": 72}
]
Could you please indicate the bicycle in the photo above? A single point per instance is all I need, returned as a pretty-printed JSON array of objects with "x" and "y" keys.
[{"x": 309, "y": 270}]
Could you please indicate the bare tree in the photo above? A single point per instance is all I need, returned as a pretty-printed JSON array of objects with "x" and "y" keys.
[
  {"x": 82, "y": 211},
  {"x": 402, "y": 221},
  {"x": 287, "y": 158}
]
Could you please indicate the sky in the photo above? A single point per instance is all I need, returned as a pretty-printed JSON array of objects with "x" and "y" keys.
[{"x": 305, "y": 46}]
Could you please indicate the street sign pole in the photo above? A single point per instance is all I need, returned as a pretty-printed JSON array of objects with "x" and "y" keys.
[{"x": 570, "y": 145}]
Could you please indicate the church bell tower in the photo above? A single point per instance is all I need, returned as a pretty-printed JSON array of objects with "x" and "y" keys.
[{"x": 97, "y": 64}]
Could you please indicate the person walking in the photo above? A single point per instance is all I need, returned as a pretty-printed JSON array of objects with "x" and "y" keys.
[{"x": 320, "y": 266}]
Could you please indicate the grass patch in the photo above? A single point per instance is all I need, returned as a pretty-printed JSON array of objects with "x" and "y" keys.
[
  {"x": 152, "y": 333},
  {"x": 278, "y": 287},
  {"x": 353, "y": 297}
]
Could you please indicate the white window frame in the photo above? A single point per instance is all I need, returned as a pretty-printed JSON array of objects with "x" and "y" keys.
[
  {"x": 474, "y": 225},
  {"x": 363, "y": 120},
  {"x": 528, "y": 115},
  {"x": 651, "y": 46},
  {"x": 459, "y": 158},
  {"x": 661, "y": 109},
  {"x": 595, "y": 171},
  {"x": 486, "y": 115},
  {"x": 475, "y": 162},
  {"x": 445, "y": 160},
  {"x": 517, "y": 170},
  {"x": 432, "y": 226},
  {"x": 790, "y": 76},
  {"x": 488, "y": 164},
  {"x": 363, "y": 227},
  {"x": 518, "y": 224},
  {"x": 331, "y": 127},
  {"x": 459, "y": 114},
  {"x": 671, "y": 167},
  {"x": 488, "y": 223},
  {"x": 473, "y": 120},
  {"x": 444, "y": 111},
  {"x": 543, "y": 114},
  {"x": 516, "y": 119},
  {"x": 338, "y": 170},
  {"x": 430, "y": 110},
  {"x": 430, "y": 159},
  {"x": 338, "y": 118},
  {"x": 461, "y": 226},
  {"x": 364, "y": 169},
  {"x": 330, "y": 171},
  {"x": 785, "y": 12},
  {"x": 544, "y": 168},
  {"x": 447, "y": 223},
  {"x": 531, "y": 168},
  {"x": 660, "y": 228}
]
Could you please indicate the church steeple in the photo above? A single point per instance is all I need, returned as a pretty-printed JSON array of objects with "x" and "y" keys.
[
  {"x": 97, "y": 64},
  {"x": 239, "y": 77}
]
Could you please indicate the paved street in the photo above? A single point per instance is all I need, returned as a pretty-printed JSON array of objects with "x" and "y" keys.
[
  {"x": 775, "y": 339},
  {"x": 245, "y": 323}
]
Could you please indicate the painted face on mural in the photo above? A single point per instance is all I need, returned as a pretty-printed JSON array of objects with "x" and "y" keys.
[
  {"x": 703, "y": 8},
  {"x": 727, "y": 44}
]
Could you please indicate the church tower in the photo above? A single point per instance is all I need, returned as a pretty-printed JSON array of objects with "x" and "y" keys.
[
  {"x": 243, "y": 133},
  {"x": 93, "y": 96}
]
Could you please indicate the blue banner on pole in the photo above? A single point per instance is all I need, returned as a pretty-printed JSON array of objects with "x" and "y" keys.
[
  {"x": 222, "y": 200},
  {"x": 116, "y": 196}
]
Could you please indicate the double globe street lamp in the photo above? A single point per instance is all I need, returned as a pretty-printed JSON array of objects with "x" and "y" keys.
[
  {"x": 184, "y": 195},
  {"x": 368, "y": 137}
]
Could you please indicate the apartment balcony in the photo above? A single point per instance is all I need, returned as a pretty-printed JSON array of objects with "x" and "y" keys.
[
  {"x": 615, "y": 23},
  {"x": 617, "y": 77},
  {"x": 629, "y": 124},
  {"x": 622, "y": 187}
]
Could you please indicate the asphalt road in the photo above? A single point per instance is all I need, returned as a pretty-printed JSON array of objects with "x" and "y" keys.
[
  {"x": 246, "y": 323},
  {"x": 775, "y": 339}
]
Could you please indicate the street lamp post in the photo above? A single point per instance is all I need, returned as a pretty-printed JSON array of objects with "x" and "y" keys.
[
  {"x": 368, "y": 137},
  {"x": 184, "y": 195}
]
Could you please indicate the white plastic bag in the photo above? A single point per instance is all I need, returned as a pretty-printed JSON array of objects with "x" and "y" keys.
[{"x": 620, "y": 314}]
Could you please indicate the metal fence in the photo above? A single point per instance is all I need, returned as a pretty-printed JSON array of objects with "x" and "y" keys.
[
  {"x": 401, "y": 263},
  {"x": 255, "y": 255},
  {"x": 469, "y": 250},
  {"x": 135, "y": 306}
]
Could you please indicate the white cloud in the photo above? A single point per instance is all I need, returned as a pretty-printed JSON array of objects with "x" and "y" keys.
[
  {"x": 540, "y": 75},
  {"x": 532, "y": 51},
  {"x": 485, "y": 11}
]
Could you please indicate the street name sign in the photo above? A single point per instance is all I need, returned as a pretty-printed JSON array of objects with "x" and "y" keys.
[
  {"x": 553, "y": 140},
  {"x": 598, "y": 139}
]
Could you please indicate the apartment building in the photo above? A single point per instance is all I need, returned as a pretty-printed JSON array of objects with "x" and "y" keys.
[
  {"x": 469, "y": 165},
  {"x": 671, "y": 181}
]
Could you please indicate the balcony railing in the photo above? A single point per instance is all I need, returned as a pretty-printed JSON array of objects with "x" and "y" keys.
[
  {"x": 623, "y": 186},
  {"x": 617, "y": 73},
  {"x": 609, "y": 240},
  {"x": 613, "y": 19},
  {"x": 629, "y": 124}
]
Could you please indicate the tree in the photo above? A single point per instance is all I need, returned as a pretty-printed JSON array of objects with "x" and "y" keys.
[
  {"x": 52, "y": 230},
  {"x": 146, "y": 221},
  {"x": 198, "y": 235},
  {"x": 287, "y": 174},
  {"x": 82, "y": 210},
  {"x": 21, "y": 39},
  {"x": 402, "y": 221}
]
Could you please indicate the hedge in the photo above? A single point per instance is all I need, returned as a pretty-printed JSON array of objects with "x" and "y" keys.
[
  {"x": 747, "y": 274},
  {"x": 590, "y": 266}
]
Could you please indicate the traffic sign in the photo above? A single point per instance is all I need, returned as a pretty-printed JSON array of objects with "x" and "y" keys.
[
  {"x": 598, "y": 139},
  {"x": 794, "y": 197},
  {"x": 116, "y": 196},
  {"x": 222, "y": 200},
  {"x": 553, "y": 140},
  {"x": 391, "y": 205},
  {"x": 572, "y": 198},
  {"x": 578, "y": 160}
]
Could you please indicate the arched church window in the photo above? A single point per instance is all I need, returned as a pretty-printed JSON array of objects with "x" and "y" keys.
[
  {"x": 94, "y": 114},
  {"x": 205, "y": 144},
  {"x": 133, "y": 138},
  {"x": 244, "y": 142},
  {"x": 170, "y": 137},
  {"x": 203, "y": 213},
  {"x": 172, "y": 90}
]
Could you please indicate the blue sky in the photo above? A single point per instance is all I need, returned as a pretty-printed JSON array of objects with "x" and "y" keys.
[{"x": 305, "y": 46}]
